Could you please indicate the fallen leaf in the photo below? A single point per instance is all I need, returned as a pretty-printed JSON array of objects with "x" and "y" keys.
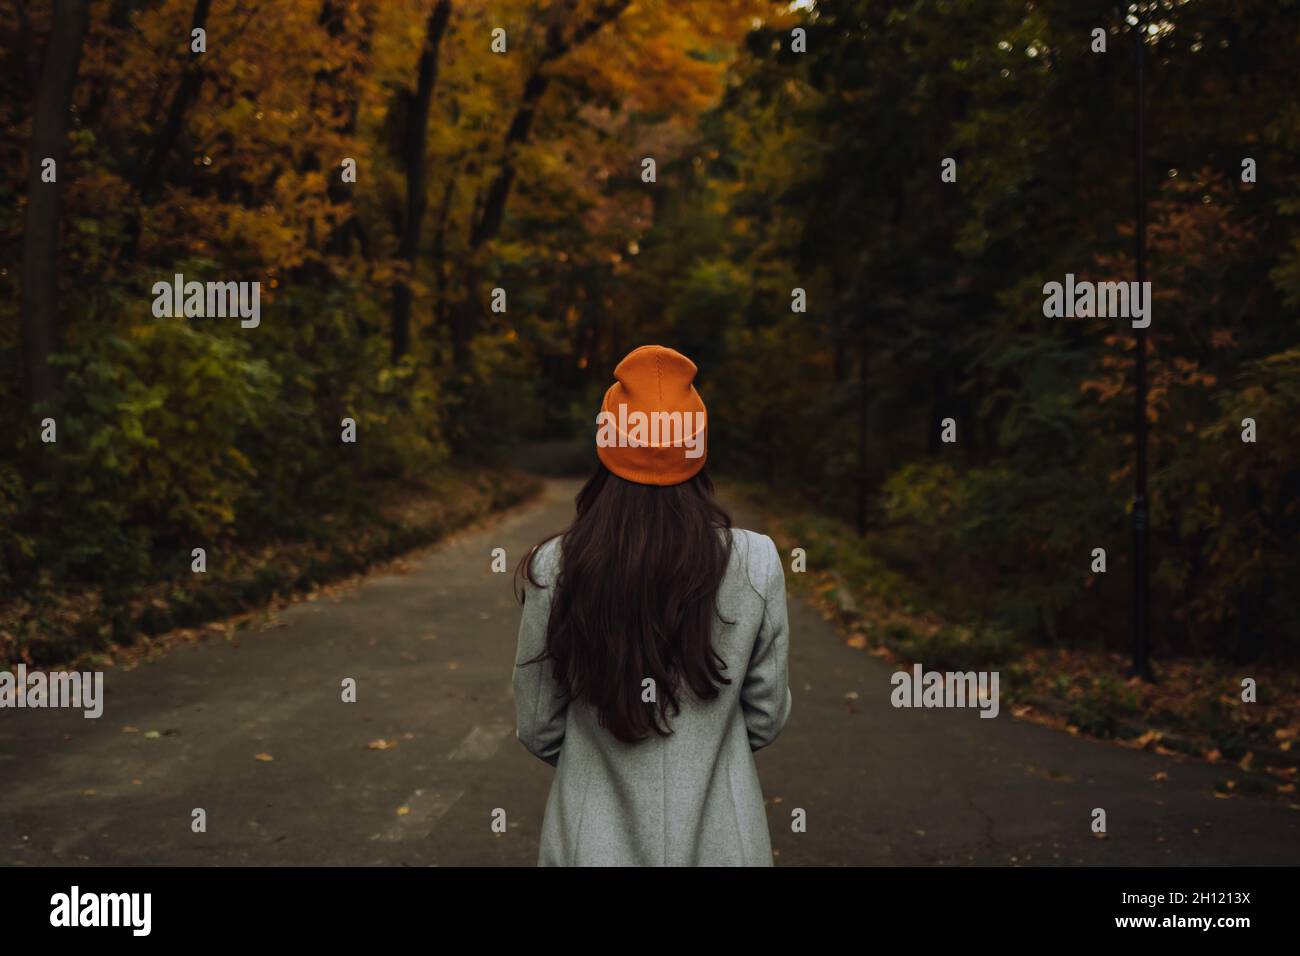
[
  {"x": 152, "y": 735},
  {"x": 381, "y": 744},
  {"x": 265, "y": 758},
  {"x": 1160, "y": 775},
  {"x": 403, "y": 811},
  {"x": 857, "y": 641},
  {"x": 1150, "y": 737}
]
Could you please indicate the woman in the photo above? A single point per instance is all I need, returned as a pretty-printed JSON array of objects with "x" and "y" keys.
[{"x": 652, "y": 651}]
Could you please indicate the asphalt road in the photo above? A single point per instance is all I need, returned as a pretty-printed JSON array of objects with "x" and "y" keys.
[{"x": 431, "y": 648}]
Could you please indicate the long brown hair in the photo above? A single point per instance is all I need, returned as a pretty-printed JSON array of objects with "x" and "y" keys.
[{"x": 636, "y": 595}]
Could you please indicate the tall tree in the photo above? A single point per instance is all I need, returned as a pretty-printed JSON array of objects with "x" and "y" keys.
[
  {"x": 44, "y": 199},
  {"x": 413, "y": 159},
  {"x": 160, "y": 144},
  {"x": 562, "y": 36}
]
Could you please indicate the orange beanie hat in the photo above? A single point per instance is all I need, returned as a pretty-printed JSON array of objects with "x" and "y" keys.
[{"x": 652, "y": 424}]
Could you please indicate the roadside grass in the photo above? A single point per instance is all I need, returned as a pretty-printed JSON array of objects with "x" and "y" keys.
[
  {"x": 84, "y": 627},
  {"x": 1195, "y": 710}
]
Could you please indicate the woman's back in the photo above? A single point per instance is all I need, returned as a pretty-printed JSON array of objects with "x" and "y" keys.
[
  {"x": 689, "y": 798},
  {"x": 652, "y": 649}
]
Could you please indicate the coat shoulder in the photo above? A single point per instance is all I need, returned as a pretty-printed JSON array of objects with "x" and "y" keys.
[
  {"x": 756, "y": 553},
  {"x": 546, "y": 561}
]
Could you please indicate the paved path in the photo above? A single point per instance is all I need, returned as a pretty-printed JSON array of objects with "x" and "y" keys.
[{"x": 431, "y": 650}]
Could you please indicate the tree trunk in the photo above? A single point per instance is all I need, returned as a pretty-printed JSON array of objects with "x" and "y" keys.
[
  {"x": 44, "y": 200},
  {"x": 147, "y": 168},
  {"x": 487, "y": 223},
  {"x": 187, "y": 90},
  {"x": 864, "y": 409},
  {"x": 118, "y": 21},
  {"x": 339, "y": 242},
  {"x": 440, "y": 257},
  {"x": 413, "y": 153},
  {"x": 521, "y": 125}
]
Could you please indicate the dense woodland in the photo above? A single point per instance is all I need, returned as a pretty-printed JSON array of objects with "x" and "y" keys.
[{"x": 778, "y": 165}]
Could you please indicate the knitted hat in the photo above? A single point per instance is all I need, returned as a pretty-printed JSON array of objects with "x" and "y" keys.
[{"x": 651, "y": 426}]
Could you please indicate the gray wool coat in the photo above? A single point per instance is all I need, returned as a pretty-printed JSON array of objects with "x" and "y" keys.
[{"x": 689, "y": 799}]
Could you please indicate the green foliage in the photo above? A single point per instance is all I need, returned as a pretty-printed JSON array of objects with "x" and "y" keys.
[
  {"x": 957, "y": 649},
  {"x": 136, "y": 449},
  {"x": 822, "y": 171},
  {"x": 1239, "y": 503},
  {"x": 178, "y": 434},
  {"x": 16, "y": 548},
  {"x": 1101, "y": 705}
]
